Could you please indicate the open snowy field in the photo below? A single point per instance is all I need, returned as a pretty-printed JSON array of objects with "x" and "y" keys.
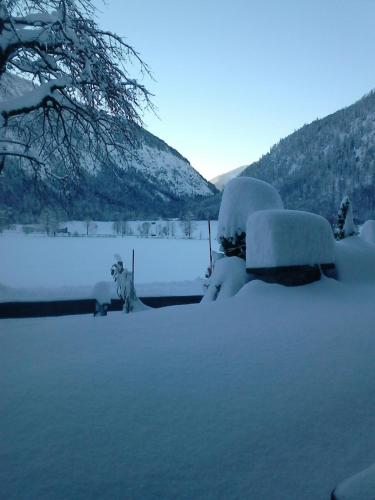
[
  {"x": 37, "y": 266},
  {"x": 265, "y": 395},
  {"x": 269, "y": 395}
]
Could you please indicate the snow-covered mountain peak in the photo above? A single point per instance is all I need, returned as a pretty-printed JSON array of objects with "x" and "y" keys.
[{"x": 221, "y": 180}]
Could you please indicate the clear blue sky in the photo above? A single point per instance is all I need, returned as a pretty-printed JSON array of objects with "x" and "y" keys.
[{"x": 234, "y": 77}]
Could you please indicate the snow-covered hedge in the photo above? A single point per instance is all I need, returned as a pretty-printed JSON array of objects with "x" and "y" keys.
[
  {"x": 228, "y": 277},
  {"x": 368, "y": 231},
  {"x": 243, "y": 196},
  {"x": 276, "y": 238}
]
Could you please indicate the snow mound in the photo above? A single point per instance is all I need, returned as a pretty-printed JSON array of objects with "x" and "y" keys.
[
  {"x": 355, "y": 260},
  {"x": 358, "y": 487},
  {"x": 288, "y": 238},
  {"x": 228, "y": 277},
  {"x": 102, "y": 292},
  {"x": 242, "y": 196},
  {"x": 368, "y": 231},
  {"x": 267, "y": 396}
]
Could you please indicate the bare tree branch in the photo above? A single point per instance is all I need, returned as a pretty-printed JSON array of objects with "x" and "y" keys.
[{"x": 79, "y": 102}]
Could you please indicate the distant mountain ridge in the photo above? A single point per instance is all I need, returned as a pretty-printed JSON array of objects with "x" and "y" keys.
[
  {"x": 317, "y": 165},
  {"x": 220, "y": 180},
  {"x": 156, "y": 181}
]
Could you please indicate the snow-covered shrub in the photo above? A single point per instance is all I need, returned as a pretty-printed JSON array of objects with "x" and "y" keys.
[
  {"x": 368, "y": 231},
  {"x": 228, "y": 277},
  {"x": 242, "y": 196},
  {"x": 125, "y": 287},
  {"x": 298, "y": 241},
  {"x": 345, "y": 225}
]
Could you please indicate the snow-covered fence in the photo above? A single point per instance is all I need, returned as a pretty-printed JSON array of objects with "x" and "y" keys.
[{"x": 83, "y": 306}]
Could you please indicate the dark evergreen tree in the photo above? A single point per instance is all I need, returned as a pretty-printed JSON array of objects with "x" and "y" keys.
[
  {"x": 344, "y": 226},
  {"x": 234, "y": 247}
]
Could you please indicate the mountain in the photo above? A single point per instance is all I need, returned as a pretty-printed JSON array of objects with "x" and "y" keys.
[
  {"x": 220, "y": 180},
  {"x": 156, "y": 181},
  {"x": 316, "y": 166}
]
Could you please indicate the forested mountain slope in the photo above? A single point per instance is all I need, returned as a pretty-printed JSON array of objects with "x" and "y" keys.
[
  {"x": 156, "y": 181},
  {"x": 317, "y": 165}
]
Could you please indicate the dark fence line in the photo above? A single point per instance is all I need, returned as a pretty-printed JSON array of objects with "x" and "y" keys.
[{"x": 83, "y": 306}]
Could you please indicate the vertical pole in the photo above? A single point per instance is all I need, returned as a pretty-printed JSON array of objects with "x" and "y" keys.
[
  {"x": 133, "y": 274},
  {"x": 209, "y": 240}
]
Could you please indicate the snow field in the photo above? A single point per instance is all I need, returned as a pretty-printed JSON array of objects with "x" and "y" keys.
[
  {"x": 72, "y": 266},
  {"x": 263, "y": 396}
]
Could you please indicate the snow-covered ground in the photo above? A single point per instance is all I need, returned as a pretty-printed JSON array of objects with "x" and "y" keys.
[
  {"x": 37, "y": 267},
  {"x": 268, "y": 395}
]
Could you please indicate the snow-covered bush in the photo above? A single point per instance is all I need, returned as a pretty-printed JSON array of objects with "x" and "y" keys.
[
  {"x": 228, "y": 277},
  {"x": 125, "y": 287},
  {"x": 368, "y": 231},
  {"x": 284, "y": 238},
  {"x": 345, "y": 225},
  {"x": 242, "y": 196}
]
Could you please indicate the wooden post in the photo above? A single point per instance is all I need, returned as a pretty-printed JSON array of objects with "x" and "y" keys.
[
  {"x": 209, "y": 240},
  {"x": 133, "y": 274}
]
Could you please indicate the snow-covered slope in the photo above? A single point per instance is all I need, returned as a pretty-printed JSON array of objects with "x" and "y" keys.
[
  {"x": 169, "y": 168},
  {"x": 154, "y": 176},
  {"x": 221, "y": 180},
  {"x": 13, "y": 86}
]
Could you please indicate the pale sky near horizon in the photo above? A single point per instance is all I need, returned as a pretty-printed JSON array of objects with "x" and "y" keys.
[{"x": 233, "y": 78}]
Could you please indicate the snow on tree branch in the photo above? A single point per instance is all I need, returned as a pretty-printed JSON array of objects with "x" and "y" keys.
[{"x": 78, "y": 90}]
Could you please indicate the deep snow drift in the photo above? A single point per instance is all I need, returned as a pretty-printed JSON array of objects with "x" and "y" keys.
[
  {"x": 268, "y": 395},
  {"x": 228, "y": 277},
  {"x": 359, "y": 487},
  {"x": 368, "y": 231}
]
